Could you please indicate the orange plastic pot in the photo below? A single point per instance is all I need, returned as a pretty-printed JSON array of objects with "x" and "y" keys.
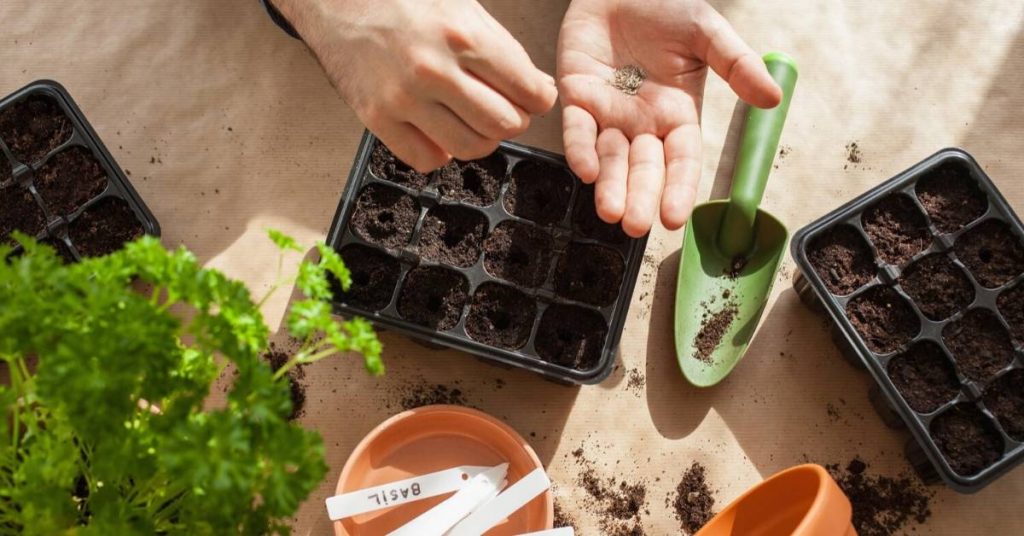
[
  {"x": 800, "y": 501},
  {"x": 434, "y": 438}
]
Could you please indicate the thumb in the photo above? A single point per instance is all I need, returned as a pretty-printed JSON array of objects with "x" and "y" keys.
[{"x": 733, "y": 60}]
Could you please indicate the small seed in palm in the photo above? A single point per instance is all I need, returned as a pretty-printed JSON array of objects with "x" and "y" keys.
[{"x": 628, "y": 79}]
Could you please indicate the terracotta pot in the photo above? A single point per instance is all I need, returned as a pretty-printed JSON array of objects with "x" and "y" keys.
[
  {"x": 800, "y": 501},
  {"x": 434, "y": 438}
]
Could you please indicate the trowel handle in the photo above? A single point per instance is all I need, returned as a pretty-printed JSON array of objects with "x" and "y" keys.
[{"x": 758, "y": 145}]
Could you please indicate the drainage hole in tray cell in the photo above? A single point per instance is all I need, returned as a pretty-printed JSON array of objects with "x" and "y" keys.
[
  {"x": 992, "y": 252},
  {"x": 501, "y": 316},
  {"x": 539, "y": 191},
  {"x": 385, "y": 216},
  {"x": 453, "y": 235}
]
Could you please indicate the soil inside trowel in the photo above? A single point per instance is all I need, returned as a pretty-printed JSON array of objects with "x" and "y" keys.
[
  {"x": 883, "y": 319},
  {"x": 588, "y": 224},
  {"x": 34, "y": 127},
  {"x": 433, "y": 297},
  {"x": 992, "y": 253},
  {"x": 842, "y": 259},
  {"x": 453, "y": 235},
  {"x": 104, "y": 227},
  {"x": 897, "y": 228},
  {"x": 951, "y": 198},
  {"x": 694, "y": 501},
  {"x": 297, "y": 389},
  {"x": 1011, "y": 305},
  {"x": 539, "y": 192},
  {"x": 69, "y": 180},
  {"x": 385, "y": 216},
  {"x": 713, "y": 327},
  {"x": 589, "y": 273},
  {"x": 967, "y": 439},
  {"x": 385, "y": 165},
  {"x": 477, "y": 181},
  {"x": 500, "y": 316},
  {"x": 882, "y": 505},
  {"x": 19, "y": 212},
  {"x": 1005, "y": 399},
  {"x": 980, "y": 345},
  {"x": 924, "y": 376},
  {"x": 518, "y": 252},
  {"x": 937, "y": 286},
  {"x": 374, "y": 277},
  {"x": 571, "y": 336}
]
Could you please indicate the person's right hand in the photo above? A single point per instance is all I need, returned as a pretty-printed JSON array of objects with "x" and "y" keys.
[{"x": 433, "y": 79}]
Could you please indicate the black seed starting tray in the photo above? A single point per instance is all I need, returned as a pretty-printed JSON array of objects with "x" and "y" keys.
[
  {"x": 923, "y": 279},
  {"x": 58, "y": 182},
  {"x": 502, "y": 257}
]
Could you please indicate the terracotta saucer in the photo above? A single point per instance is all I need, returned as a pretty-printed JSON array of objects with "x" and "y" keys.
[{"x": 434, "y": 438}]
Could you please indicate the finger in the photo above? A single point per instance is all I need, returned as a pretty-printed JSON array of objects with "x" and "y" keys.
[
  {"x": 579, "y": 135},
  {"x": 482, "y": 108},
  {"x": 412, "y": 146},
  {"x": 738, "y": 64},
  {"x": 682, "y": 175},
  {"x": 502, "y": 63},
  {"x": 646, "y": 178},
  {"x": 610, "y": 192},
  {"x": 449, "y": 132}
]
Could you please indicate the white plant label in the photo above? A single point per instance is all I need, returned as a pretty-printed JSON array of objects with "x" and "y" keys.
[
  {"x": 401, "y": 491},
  {"x": 437, "y": 520},
  {"x": 509, "y": 501}
]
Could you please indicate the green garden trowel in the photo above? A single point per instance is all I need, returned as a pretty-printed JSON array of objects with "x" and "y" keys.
[{"x": 732, "y": 250}]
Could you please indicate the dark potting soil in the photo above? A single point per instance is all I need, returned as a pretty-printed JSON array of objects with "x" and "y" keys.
[
  {"x": 477, "y": 181},
  {"x": 924, "y": 376},
  {"x": 539, "y": 192},
  {"x": 588, "y": 224},
  {"x": 385, "y": 216},
  {"x": 452, "y": 234},
  {"x": 417, "y": 395},
  {"x": 937, "y": 286},
  {"x": 62, "y": 249},
  {"x": 6, "y": 171},
  {"x": 571, "y": 336},
  {"x": 69, "y": 180},
  {"x": 1005, "y": 399},
  {"x": 277, "y": 359},
  {"x": 519, "y": 253},
  {"x": 883, "y": 318},
  {"x": 104, "y": 228},
  {"x": 882, "y": 505},
  {"x": 853, "y": 154},
  {"x": 694, "y": 501},
  {"x": 618, "y": 504},
  {"x": 33, "y": 127},
  {"x": 980, "y": 345},
  {"x": 897, "y": 228},
  {"x": 992, "y": 253},
  {"x": 385, "y": 165},
  {"x": 19, "y": 211},
  {"x": 589, "y": 273},
  {"x": 565, "y": 519},
  {"x": 500, "y": 316},
  {"x": 967, "y": 439},
  {"x": 951, "y": 198},
  {"x": 842, "y": 259},
  {"x": 374, "y": 277},
  {"x": 713, "y": 327},
  {"x": 1011, "y": 305},
  {"x": 433, "y": 297}
]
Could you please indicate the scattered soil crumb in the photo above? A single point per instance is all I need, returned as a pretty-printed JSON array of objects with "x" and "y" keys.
[
  {"x": 635, "y": 382},
  {"x": 736, "y": 267},
  {"x": 712, "y": 329},
  {"x": 853, "y": 154},
  {"x": 628, "y": 79},
  {"x": 882, "y": 505},
  {"x": 565, "y": 519},
  {"x": 277, "y": 357},
  {"x": 833, "y": 413},
  {"x": 415, "y": 395},
  {"x": 694, "y": 501},
  {"x": 617, "y": 503}
]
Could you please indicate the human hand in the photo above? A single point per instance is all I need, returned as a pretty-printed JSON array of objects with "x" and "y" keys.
[
  {"x": 432, "y": 79},
  {"x": 644, "y": 150}
]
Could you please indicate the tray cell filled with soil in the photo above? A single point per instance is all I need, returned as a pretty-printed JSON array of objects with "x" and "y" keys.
[
  {"x": 938, "y": 286},
  {"x": 476, "y": 182},
  {"x": 519, "y": 253},
  {"x": 19, "y": 212},
  {"x": 992, "y": 252},
  {"x": 589, "y": 273},
  {"x": 69, "y": 180},
  {"x": 967, "y": 439},
  {"x": 980, "y": 345},
  {"x": 104, "y": 227},
  {"x": 386, "y": 166},
  {"x": 951, "y": 197},
  {"x": 924, "y": 376},
  {"x": 385, "y": 216},
  {"x": 34, "y": 126},
  {"x": 453, "y": 235},
  {"x": 501, "y": 316},
  {"x": 433, "y": 296},
  {"x": 539, "y": 192},
  {"x": 897, "y": 228},
  {"x": 1004, "y": 397},
  {"x": 571, "y": 336},
  {"x": 374, "y": 277},
  {"x": 842, "y": 259},
  {"x": 588, "y": 224},
  {"x": 1011, "y": 306},
  {"x": 6, "y": 170},
  {"x": 884, "y": 320}
]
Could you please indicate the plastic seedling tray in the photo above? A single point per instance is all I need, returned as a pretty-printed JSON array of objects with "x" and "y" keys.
[
  {"x": 502, "y": 257},
  {"x": 923, "y": 279},
  {"x": 58, "y": 182}
]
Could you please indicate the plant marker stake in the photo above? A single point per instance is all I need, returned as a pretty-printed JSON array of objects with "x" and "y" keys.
[
  {"x": 515, "y": 497},
  {"x": 437, "y": 520},
  {"x": 401, "y": 491}
]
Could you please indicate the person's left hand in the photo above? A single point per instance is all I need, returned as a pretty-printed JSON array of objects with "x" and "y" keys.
[{"x": 644, "y": 150}]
